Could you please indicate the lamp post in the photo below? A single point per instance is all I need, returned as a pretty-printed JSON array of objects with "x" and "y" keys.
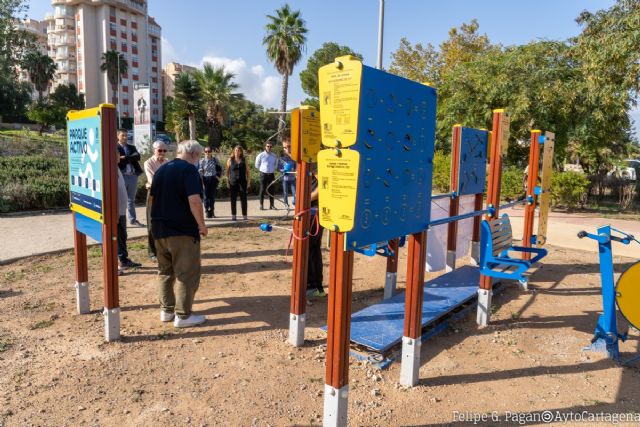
[
  {"x": 380, "y": 34},
  {"x": 118, "y": 92}
]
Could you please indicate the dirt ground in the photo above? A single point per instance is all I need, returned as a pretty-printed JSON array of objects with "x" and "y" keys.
[{"x": 238, "y": 370}]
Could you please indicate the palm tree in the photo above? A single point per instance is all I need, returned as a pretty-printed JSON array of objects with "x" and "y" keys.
[
  {"x": 41, "y": 69},
  {"x": 112, "y": 62},
  {"x": 188, "y": 99},
  {"x": 217, "y": 95},
  {"x": 285, "y": 42}
]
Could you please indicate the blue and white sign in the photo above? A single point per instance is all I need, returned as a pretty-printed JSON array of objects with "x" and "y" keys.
[{"x": 85, "y": 163}]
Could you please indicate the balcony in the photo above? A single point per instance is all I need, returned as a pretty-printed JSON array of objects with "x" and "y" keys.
[{"x": 137, "y": 5}]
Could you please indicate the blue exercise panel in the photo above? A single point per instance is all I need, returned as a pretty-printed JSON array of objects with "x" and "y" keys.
[
  {"x": 381, "y": 326},
  {"x": 473, "y": 161}
]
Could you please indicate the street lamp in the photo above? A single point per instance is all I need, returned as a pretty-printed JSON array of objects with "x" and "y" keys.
[
  {"x": 380, "y": 34},
  {"x": 118, "y": 92}
]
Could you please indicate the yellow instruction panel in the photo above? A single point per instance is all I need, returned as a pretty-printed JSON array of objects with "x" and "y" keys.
[
  {"x": 337, "y": 188},
  {"x": 305, "y": 134}
]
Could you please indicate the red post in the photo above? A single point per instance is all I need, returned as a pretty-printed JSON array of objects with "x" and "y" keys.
[
  {"x": 338, "y": 331},
  {"x": 454, "y": 202},
  {"x": 532, "y": 181},
  {"x": 110, "y": 209},
  {"x": 500, "y": 132}
]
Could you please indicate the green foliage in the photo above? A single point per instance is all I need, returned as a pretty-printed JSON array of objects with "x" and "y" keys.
[
  {"x": 512, "y": 183},
  {"x": 187, "y": 101},
  {"x": 218, "y": 92},
  {"x": 323, "y": 56},
  {"x": 249, "y": 126},
  {"x": 568, "y": 189},
  {"x": 33, "y": 182},
  {"x": 47, "y": 115},
  {"x": 67, "y": 97},
  {"x": 441, "y": 172},
  {"x": 41, "y": 69},
  {"x": 112, "y": 63}
]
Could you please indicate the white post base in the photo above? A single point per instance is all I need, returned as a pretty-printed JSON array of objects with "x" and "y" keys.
[
  {"x": 484, "y": 307},
  {"x": 475, "y": 252},
  {"x": 297, "y": 323},
  {"x": 111, "y": 324},
  {"x": 451, "y": 261},
  {"x": 336, "y": 406},
  {"x": 390, "y": 285},
  {"x": 82, "y": 297},
  {"x": 410, "y": 365}
]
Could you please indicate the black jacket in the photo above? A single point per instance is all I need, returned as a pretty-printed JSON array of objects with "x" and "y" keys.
[{"x": 133, "y": 159}]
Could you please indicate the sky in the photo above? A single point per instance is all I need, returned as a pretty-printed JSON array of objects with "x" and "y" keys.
[{"x": 230, "y": 32}]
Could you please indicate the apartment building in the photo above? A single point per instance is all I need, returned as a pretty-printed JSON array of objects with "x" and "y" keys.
[
  {"x": 80, "y": 31},
  {"x": 169, "y": 74},
  {"x": 38, "y": 29}
]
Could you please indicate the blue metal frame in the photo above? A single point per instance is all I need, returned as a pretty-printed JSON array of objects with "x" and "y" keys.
[{"x": 489, "y": 262}]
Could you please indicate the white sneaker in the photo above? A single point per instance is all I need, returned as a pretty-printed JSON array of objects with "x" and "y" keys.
[
  {"x": 165, "y": 316},
  {"x": 193, "y": 320}
]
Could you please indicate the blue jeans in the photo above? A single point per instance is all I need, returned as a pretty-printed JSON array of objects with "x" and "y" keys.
[
  {"x": 131, "y": 183},
  {"x": 286, "y": 186}
]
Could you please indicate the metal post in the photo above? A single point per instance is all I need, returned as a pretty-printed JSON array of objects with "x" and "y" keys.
[
  {"x": 532, "y": 181},
  {"x": 392, "y": 269},
  {"x": 81, "y": 269},
  {"x": 380, "y": 34},
  {"x": 416, "y": 260},
  {"x": 499, "y": 136},
  {"x": 110, "y": 226},
  {"x": 118, "y": 93},
  {"x": 336, "y": 388},
  {"x": 454, "y": 202}
]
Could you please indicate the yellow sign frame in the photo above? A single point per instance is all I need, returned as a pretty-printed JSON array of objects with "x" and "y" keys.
[
  {"x": 338, "y": 172},
  {"x": 305, "y": 134}
]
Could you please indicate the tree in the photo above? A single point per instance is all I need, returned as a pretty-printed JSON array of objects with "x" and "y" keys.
[
  {"x": 112, "y": 62},
  {"x": 188, "y": 100},
  {"x": 418, "y": 63},
  {"x": 249, "y": 125},
  {"x": 41, "y": 69},
  {"x": 326, "y": 54},
  {"x": 46, "y": 115},
  {"x": 285, "y": 41},
  {"x": 217, "y": 94},
  {"x": 67, "y": 96}
]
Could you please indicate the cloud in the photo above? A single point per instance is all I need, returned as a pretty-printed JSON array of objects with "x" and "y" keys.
[
  {"x": 169, "y": 53},
  {"x": 254, "y": 83}
]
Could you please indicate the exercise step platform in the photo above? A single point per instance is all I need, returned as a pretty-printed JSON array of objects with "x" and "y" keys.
[{"x": 381, "y": 326}]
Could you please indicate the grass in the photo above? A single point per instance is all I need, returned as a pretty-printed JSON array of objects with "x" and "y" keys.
[
  {"x": 5, "y": 342},
  {"x": 47, "y": 137},
  {"x": 94, "y": 251},
  {"x": 13, "y": 275},
  {"x": 41, "y": 324},
  {"x": 38, "y": 306}
]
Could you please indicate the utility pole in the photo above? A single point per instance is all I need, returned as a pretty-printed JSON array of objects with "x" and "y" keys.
[
  {"x": 380, "y": 34},
  {"x": 118, "y": 93}
]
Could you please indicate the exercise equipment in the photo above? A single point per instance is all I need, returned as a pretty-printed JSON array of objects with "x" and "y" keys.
[{"x": 625, "y": 294}]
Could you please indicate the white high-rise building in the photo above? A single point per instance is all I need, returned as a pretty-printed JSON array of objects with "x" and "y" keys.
[{"x": 81, "y": 31}]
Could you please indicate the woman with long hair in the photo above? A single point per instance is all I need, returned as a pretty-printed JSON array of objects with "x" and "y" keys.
[{"x": 238, "y": 181}]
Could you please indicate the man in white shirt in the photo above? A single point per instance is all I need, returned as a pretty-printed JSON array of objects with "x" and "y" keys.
[{"x": 266, "y": 163}]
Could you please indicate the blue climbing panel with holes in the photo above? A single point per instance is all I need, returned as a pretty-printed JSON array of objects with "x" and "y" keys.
[
  {"x": 381, "y": 326},
  {"x": 473, "y": 161}
]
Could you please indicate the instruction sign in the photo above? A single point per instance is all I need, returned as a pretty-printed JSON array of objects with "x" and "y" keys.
[
  {"x": 305, "y": 132},
  {"x": 337, "y": 188},
  {"x": 85, "y": 163},
  {"x": 339, "y": 88}
]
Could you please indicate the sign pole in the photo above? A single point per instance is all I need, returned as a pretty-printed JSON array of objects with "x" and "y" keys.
[
  {"x": 336, "y": 388},
  {"x": 110, "y": 226},
  {"x": 81, "y": 269}
]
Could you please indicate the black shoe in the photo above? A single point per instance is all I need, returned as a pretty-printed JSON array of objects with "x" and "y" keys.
[
  {"x": 261, "y": 207},
  {"x": 130, "y": 264},
  {"x": 272, "y": 208},
  {"x": 209, "y": 215}
]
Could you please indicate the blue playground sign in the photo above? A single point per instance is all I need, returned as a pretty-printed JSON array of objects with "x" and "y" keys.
[{"x": 85, "y": 163}]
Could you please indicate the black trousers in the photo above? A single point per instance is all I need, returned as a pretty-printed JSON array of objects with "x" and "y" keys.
[
  {"x": 123, "y": 254},
  {"x": 210, "y": 190},
  {"x": 265, "y": 180},
  {"x": 236, "y": 189},
  {"x": 314, "y": 276},
  {"x": 151, "y": 244}
]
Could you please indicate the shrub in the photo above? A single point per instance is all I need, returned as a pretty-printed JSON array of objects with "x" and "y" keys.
[
  {"x": 441, "y": 172},
  {"x": 512, "y": 186},
  {"x": 568, "y": 189}
]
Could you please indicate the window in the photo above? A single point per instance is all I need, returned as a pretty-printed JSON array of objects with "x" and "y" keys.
[
  {"x": 123, "y": 22},
  {"x": 112, "y": 26},
  {"x": 123, "y": 46}
]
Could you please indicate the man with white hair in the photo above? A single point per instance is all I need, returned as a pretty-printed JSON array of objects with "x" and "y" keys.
[
  {"x": 152, "y": 164},
  {"x": 177, "y": 223}
]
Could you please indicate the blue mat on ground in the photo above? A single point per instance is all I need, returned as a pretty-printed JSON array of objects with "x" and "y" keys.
[{"x": 381, "y": 326}]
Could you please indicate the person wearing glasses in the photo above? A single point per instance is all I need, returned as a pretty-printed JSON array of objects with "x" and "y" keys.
[
  {"x": 238, "y": 180},
  {"x": 210, "y": 171},
  {"x": 266, "y": 163},
  {"x": 152, "y": 164}
]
